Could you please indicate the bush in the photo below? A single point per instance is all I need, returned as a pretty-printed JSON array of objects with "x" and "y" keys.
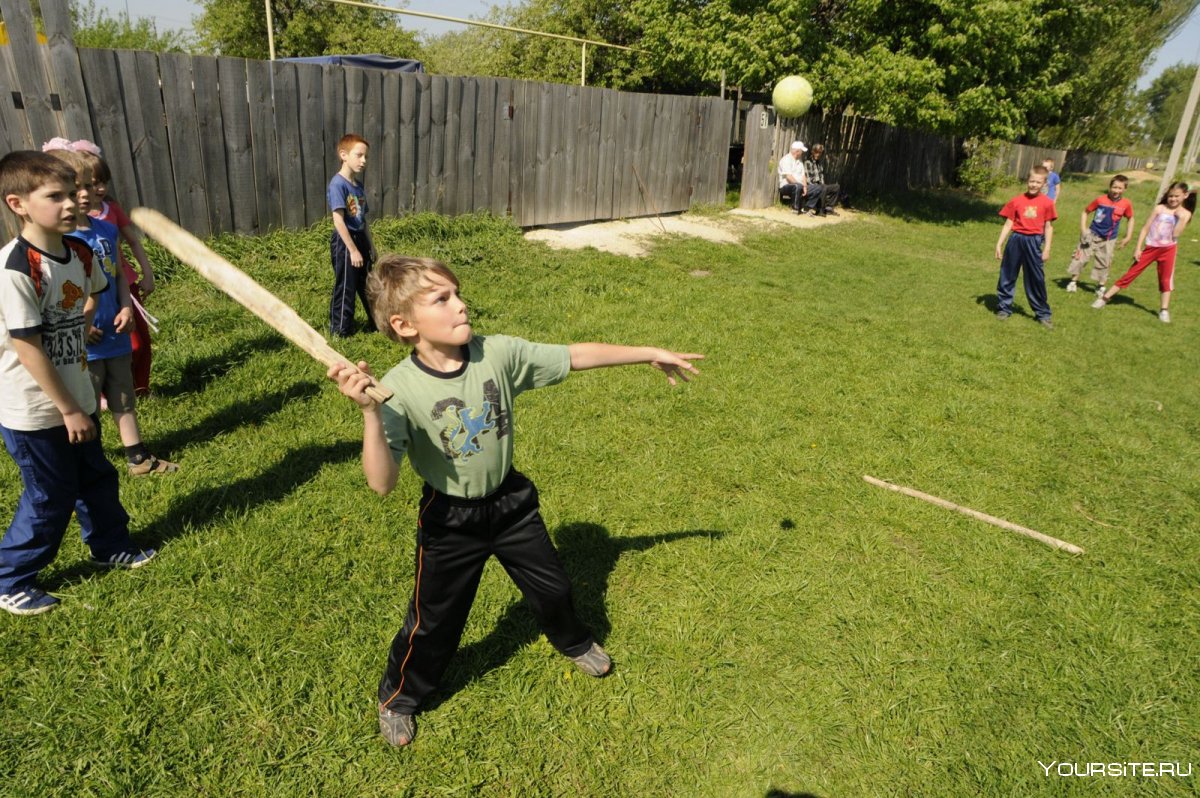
[{"x": 978, "y": 172}]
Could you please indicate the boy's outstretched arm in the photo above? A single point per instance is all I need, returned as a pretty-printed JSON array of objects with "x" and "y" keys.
[
  {"x": 378, "y": 464},
  {"x": 594, "y": 355}
]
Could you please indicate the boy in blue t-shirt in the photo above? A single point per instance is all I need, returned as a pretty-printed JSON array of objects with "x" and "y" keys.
[
  {"x": 452, "y": 413},
  {"x": 350, "y": 247},
  {"x": 1053, "y": 181},
  {"x": 109, "y": 344},
  {"x": 1099, "y": 239}
]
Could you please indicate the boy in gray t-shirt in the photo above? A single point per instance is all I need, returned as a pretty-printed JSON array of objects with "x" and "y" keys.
[{"x": 452, "y": 412}]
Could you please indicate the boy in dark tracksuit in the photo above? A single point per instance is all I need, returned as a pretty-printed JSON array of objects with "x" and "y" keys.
[
  {"x": 350, "y": 246},
  {"x": 1029, "y": 218},
  {"x": 452, "y": 412}
]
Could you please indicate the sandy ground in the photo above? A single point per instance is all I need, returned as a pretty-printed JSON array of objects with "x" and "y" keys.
[{"x": 634, "y": 237}]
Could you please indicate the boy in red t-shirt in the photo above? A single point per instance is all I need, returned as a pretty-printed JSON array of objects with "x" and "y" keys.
[{"x": 1029, "y": 218}]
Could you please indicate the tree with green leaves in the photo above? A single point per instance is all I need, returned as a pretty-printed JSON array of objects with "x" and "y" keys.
[
  {"x": 1163, "y": 103},
  {"x": 301, "y": 28},
  {"x": 1005, "y": 69},
  {"x": 97, "y": 28}
]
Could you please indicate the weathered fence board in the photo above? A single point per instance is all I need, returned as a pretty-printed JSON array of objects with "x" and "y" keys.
[
  {"x": 287, "y": 134},
  {"x": 406, "y": 184},
  {"x": 212, "y": 143},
  {"x": 422, "y": 196},
  {"x": 106, "y": 108},
  {"x": 64, "y": 73},
  {"x": 239, "y": 152},
  {"x": 317, "y": 157},
  {"x": 266, "y": 148},
  {"x": 372, "y": 126},
  {"x": 387, "y": 151},
  {"x": 29, "y": 79},
  {"x": 187, "y": 160}
]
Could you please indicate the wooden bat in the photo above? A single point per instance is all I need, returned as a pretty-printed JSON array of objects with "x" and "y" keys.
[
  {"x": 241, "y": 287},
  {"x": 991, "y": 519}
]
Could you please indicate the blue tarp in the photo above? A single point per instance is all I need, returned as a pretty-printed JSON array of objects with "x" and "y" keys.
[{"x": 365, "y": 61}]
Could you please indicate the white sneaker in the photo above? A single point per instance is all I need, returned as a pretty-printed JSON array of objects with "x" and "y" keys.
[
  {"x": 1100, "y": 291},
  {"x": 1099, "y": 303},
  {"x": 1164, "y": 316},
  {"x": 1072, "y": 287}
]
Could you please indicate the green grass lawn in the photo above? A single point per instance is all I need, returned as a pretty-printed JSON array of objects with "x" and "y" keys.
[{"x": 779, "y": 626}]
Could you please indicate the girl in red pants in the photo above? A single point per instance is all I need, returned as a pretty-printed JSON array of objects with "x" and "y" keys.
[{"x": 1157, "y": 244}]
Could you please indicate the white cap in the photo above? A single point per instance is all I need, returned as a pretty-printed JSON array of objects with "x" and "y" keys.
[{"x": 799, "y": 145}]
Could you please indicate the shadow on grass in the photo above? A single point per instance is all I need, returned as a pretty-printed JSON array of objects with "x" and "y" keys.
[
  {"x": 992, "y": 303},
  {"x": 777, "y": 793},
  {"x": 944, "y": 206},
  {"x": 250, "y": 411},
  {"x": 198, "y": 372},
  {"x": 589, "y": 554},
  {"x": 201, "y": 509}
]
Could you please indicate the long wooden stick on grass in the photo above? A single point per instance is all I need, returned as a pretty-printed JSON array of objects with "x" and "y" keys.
[{"x": 991, "y": 519}]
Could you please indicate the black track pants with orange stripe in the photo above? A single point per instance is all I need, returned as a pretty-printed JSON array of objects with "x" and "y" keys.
[{"x": 455, "y": 538}]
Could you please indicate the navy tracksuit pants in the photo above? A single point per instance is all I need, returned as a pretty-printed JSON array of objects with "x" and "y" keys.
[
  {"x": 59, "y": 478},
  {"x": 348, "y": 283},
  {"x": 1023, "y": 251},
  {"x": 455, "y": 538}
]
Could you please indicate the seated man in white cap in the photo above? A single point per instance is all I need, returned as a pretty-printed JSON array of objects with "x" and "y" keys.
[{"x": 794, "y": 187}]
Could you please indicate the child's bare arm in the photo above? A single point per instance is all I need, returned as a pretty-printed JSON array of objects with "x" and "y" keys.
[
  {"x": 139, "y": 254},
  {"x": 339, "y": 224},
  {"x": 1083, "y": 223},
  {"x": 124, "y": 318},
  {"x": 1004, "y": 231},
  {"x": 1048, "y": 236},
  {"x": 379, "y": 466},
  {"x": 31, "y": 355},
  {"x": 596, "y": 355}
]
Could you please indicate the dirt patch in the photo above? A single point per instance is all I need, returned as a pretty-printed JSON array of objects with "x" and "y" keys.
[{"x": 634, "y": 237}]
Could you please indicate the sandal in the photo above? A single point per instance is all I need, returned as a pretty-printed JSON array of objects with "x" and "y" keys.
[{"x": 152, "y": 465}]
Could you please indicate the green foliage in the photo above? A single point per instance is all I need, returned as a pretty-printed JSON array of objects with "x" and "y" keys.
[
  {"x": 1164, "y": 102},
  {"x": 302, "y": 28},
  {"x": 1007, "y": 69},
  {"x": 488, "y": 51},
  {"x": 978, "y": 173},
  {"x": 95, "y": 27},
  {"x": 778, "y": 625}
]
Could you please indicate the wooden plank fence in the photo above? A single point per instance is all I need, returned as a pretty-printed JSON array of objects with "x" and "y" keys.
[
  {"x": 862, "y": 155},
  {"x": 231, "y": 145}
]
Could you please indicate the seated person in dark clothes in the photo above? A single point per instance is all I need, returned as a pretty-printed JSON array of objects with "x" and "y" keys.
[
  {"x": 793, "y": 185},
  {"x": 814, "y": 172}
]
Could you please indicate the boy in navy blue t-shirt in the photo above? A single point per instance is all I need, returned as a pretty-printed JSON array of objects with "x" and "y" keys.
[{"x": 350, "y": 247}]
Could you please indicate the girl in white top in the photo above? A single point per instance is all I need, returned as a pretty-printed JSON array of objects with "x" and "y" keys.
[{"x": 1157, "y": 243}]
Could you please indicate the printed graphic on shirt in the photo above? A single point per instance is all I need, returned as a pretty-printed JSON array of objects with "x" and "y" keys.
[
  {"x": 1031, "y": 212},
  {"x": 71, "y": 295},
  {"x": 464, "y": 427},
  {"x": 352, "y": 207},
  {"x": 63, "y": 331}
]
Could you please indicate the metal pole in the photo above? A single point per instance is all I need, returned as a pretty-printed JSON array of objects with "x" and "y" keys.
[
  {"x": 1180, "y": 135},
  {"x": 270, "y": 30}
]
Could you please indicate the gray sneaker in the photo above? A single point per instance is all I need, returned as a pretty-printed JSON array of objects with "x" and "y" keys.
[
  {"x": 399, "y": 730},
  {"x": 1072, "y": 287},
  {"x": 1164, "y": 316},
  {"x": 1003, "y": 314},
  {"x": 594, "y": 661},
  {"x": 1049, "y": 325},
  {"x": 1099, "y": 303}
]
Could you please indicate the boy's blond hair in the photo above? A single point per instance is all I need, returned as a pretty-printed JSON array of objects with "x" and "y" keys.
[
  {"x": 394, "y": 284},
  {"x": 1039, "y": 170},
  {"x": 78, "y": 162},
  {"x": 25, "y": 171}
]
